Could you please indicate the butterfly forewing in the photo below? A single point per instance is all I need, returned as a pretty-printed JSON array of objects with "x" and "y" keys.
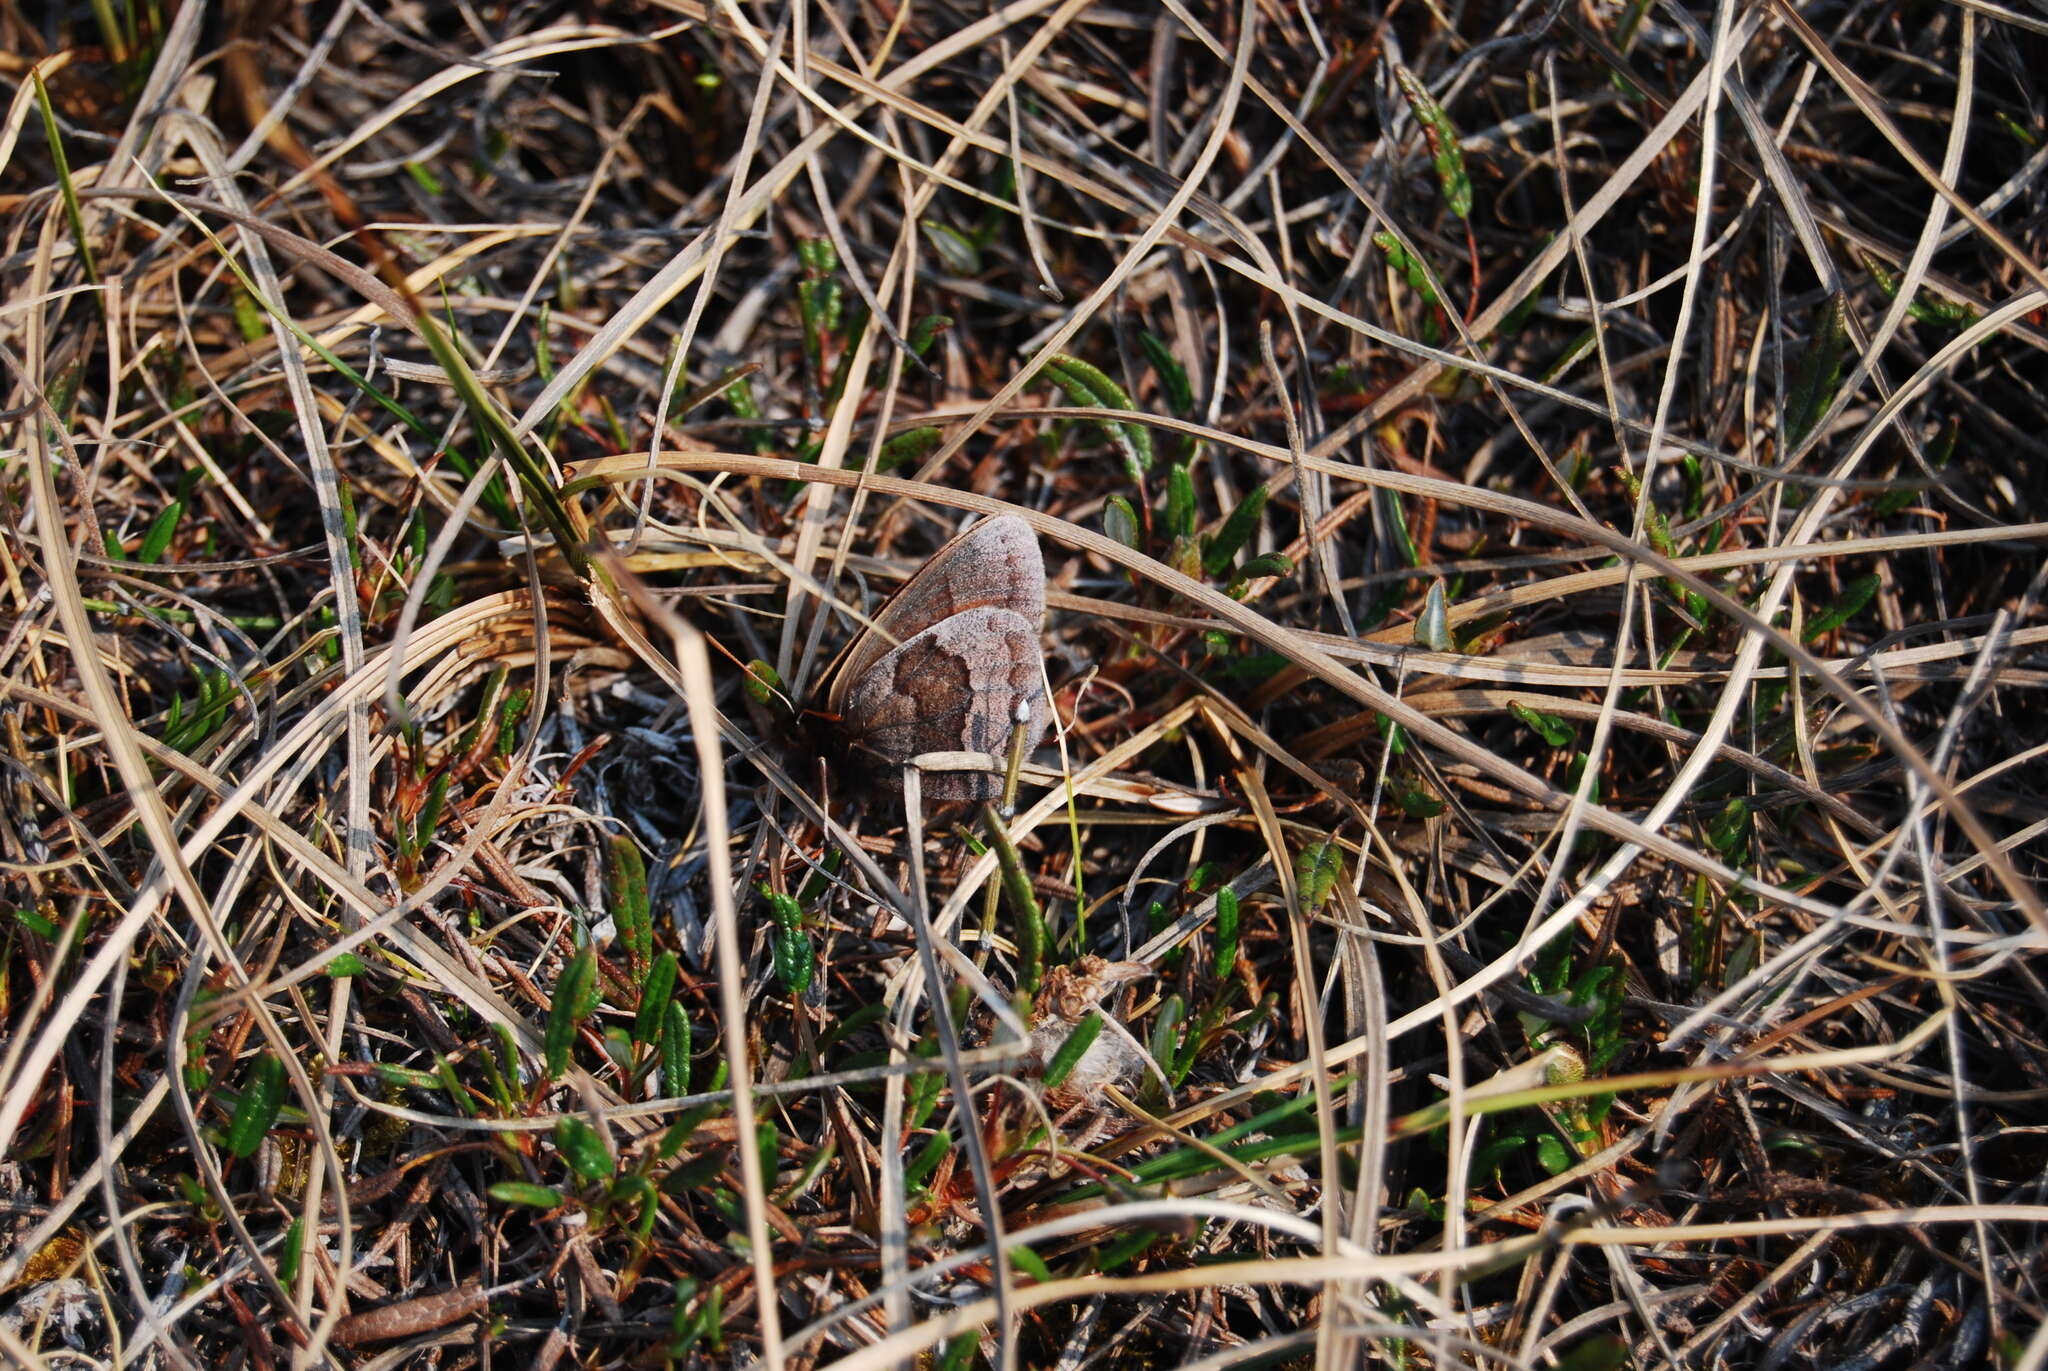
[
  {"x": 955, "y": 687},
  {"x": 994, "y": 564}
]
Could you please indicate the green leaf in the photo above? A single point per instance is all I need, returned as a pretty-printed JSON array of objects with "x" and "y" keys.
[
  {"x": 157, "y": 541},
  {"x": 636, "y": 1188},
  {"x": 1220, "y": 551},
  {"x": 1819, "y": 370},
  {"x": 257, "y": 1110},
  {"x": 925, "y": 330},
  {"x": 818, "y": 256},
  {"x": 703, "y": 1322},
  {"x": 1421, "y": 1203},
  {"x": 583, "y": 1148},
  {"x": 520, "y": 1192},
  {"x": 508, "y": 1050},
  {"x": 1028, "y": 926},
  {"x": 1225, "y": 961},
  {"x": 249, "y": 316},
  {"x": 679, "y": 1316},
  {"x": 509, "y": 715},
  {"x": 1410, "y": 267},
  {"x": 618, "y": 1045},
  {"x": 909, "y": 447},
  {"x": 1487, "y": 1159},
  {"x": 1601, "y": 1352},
  {"x": 1396, "y": 521},
  {"x": 959, "y": 1353},
  {"x": 763, "y": 684},
  {"x": 410, "y": 1077},
  {"x": 289, "y": 1255},
  {"x": 570, "y": 1006},
  {"x": 1120, "y": 522},
  {"x": 2019, "y": 132},
  {"x": 67, "y": 190},
  {"x": 429, "y": 817},
  {"x": 543, "y": 497},
  {"x": 1166, "y": 1027},
  {"x": 1273, "y": 564},
  {"x": 1743, "y": 958},
  {"x": 1553, "y": 1155},
  {"x": 1730, "y": 828},
  {"x": 1926, "y": 307},
  {"x": 1452, "y": 180},
  {"x": 1654, "y": 523},
  {"x": 1173, "y": 377},
  {"x": 451, "y": 1086},
  {"x": 1412, "y": 799},
  {"x": 1125, "y": 1248},
  {"x": 1180, "y": 502},
  {"x": 794, "y": 960},
  {"x": 1548, "y": 727},
  {"x": 1071, "y": 1051},
  {"x": 1433, "y": 625},
  {"x": 820, "y": 304},
  {"x": 784, "y": 909},
  {"x": 424, "y": 178},
  {"x": 1191, "y": 1041},
  {"x": 1316, "y": 872},
  {"x": 1087, "y": 384},
  {"x": 739, "y": 394},
  {"x": 1257, "y": 666},
  {"x": 961, "y": 254},
  {"x": 626, "y": 891},
  {"x": 346, "y": 964},
  {"x": 678, "y": 1137},
  {"x": 1566, "y": 1066},
  {"x": 1267, "y": 564},
  {"x": 1030, "y": 1263},
  {"x": 675, "y": 1051},
  {"x": 36, "y": 924},
  {"x": 927, "y": 1159},
  {"x": 657, "y": 990},
  {"x": 1852, "y": 603}
]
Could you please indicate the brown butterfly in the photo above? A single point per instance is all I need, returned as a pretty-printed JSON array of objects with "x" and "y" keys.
[{"x": 951, "y": 661}]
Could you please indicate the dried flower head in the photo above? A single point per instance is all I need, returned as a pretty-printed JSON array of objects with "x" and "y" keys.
[{"x": 1069, "y": 995}]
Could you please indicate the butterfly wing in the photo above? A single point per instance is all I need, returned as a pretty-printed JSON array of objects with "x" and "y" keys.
[
  {"x": 996, "y": 563},
  {"x": 955, "y": 687}
]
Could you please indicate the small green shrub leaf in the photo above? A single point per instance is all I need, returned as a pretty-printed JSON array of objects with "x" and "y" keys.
[
  {"x": 520, "y": 1192},
  {"x": 566, "y": 1012},
  {"x": 583, "y": 1148},
  {"x": 1317, "y": 871},
  {"x": 257, "y": 1110},
  {"x": 655, "y": 993}
]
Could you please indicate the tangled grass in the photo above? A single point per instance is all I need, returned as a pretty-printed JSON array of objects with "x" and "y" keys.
[{"x": 1540, "y": 860}]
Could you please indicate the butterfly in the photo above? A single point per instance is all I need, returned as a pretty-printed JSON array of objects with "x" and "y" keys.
[{"x": 952, "y": 661}]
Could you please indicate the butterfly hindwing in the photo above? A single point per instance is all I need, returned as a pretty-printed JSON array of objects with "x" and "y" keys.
[{"x": 957, "y": 686}]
